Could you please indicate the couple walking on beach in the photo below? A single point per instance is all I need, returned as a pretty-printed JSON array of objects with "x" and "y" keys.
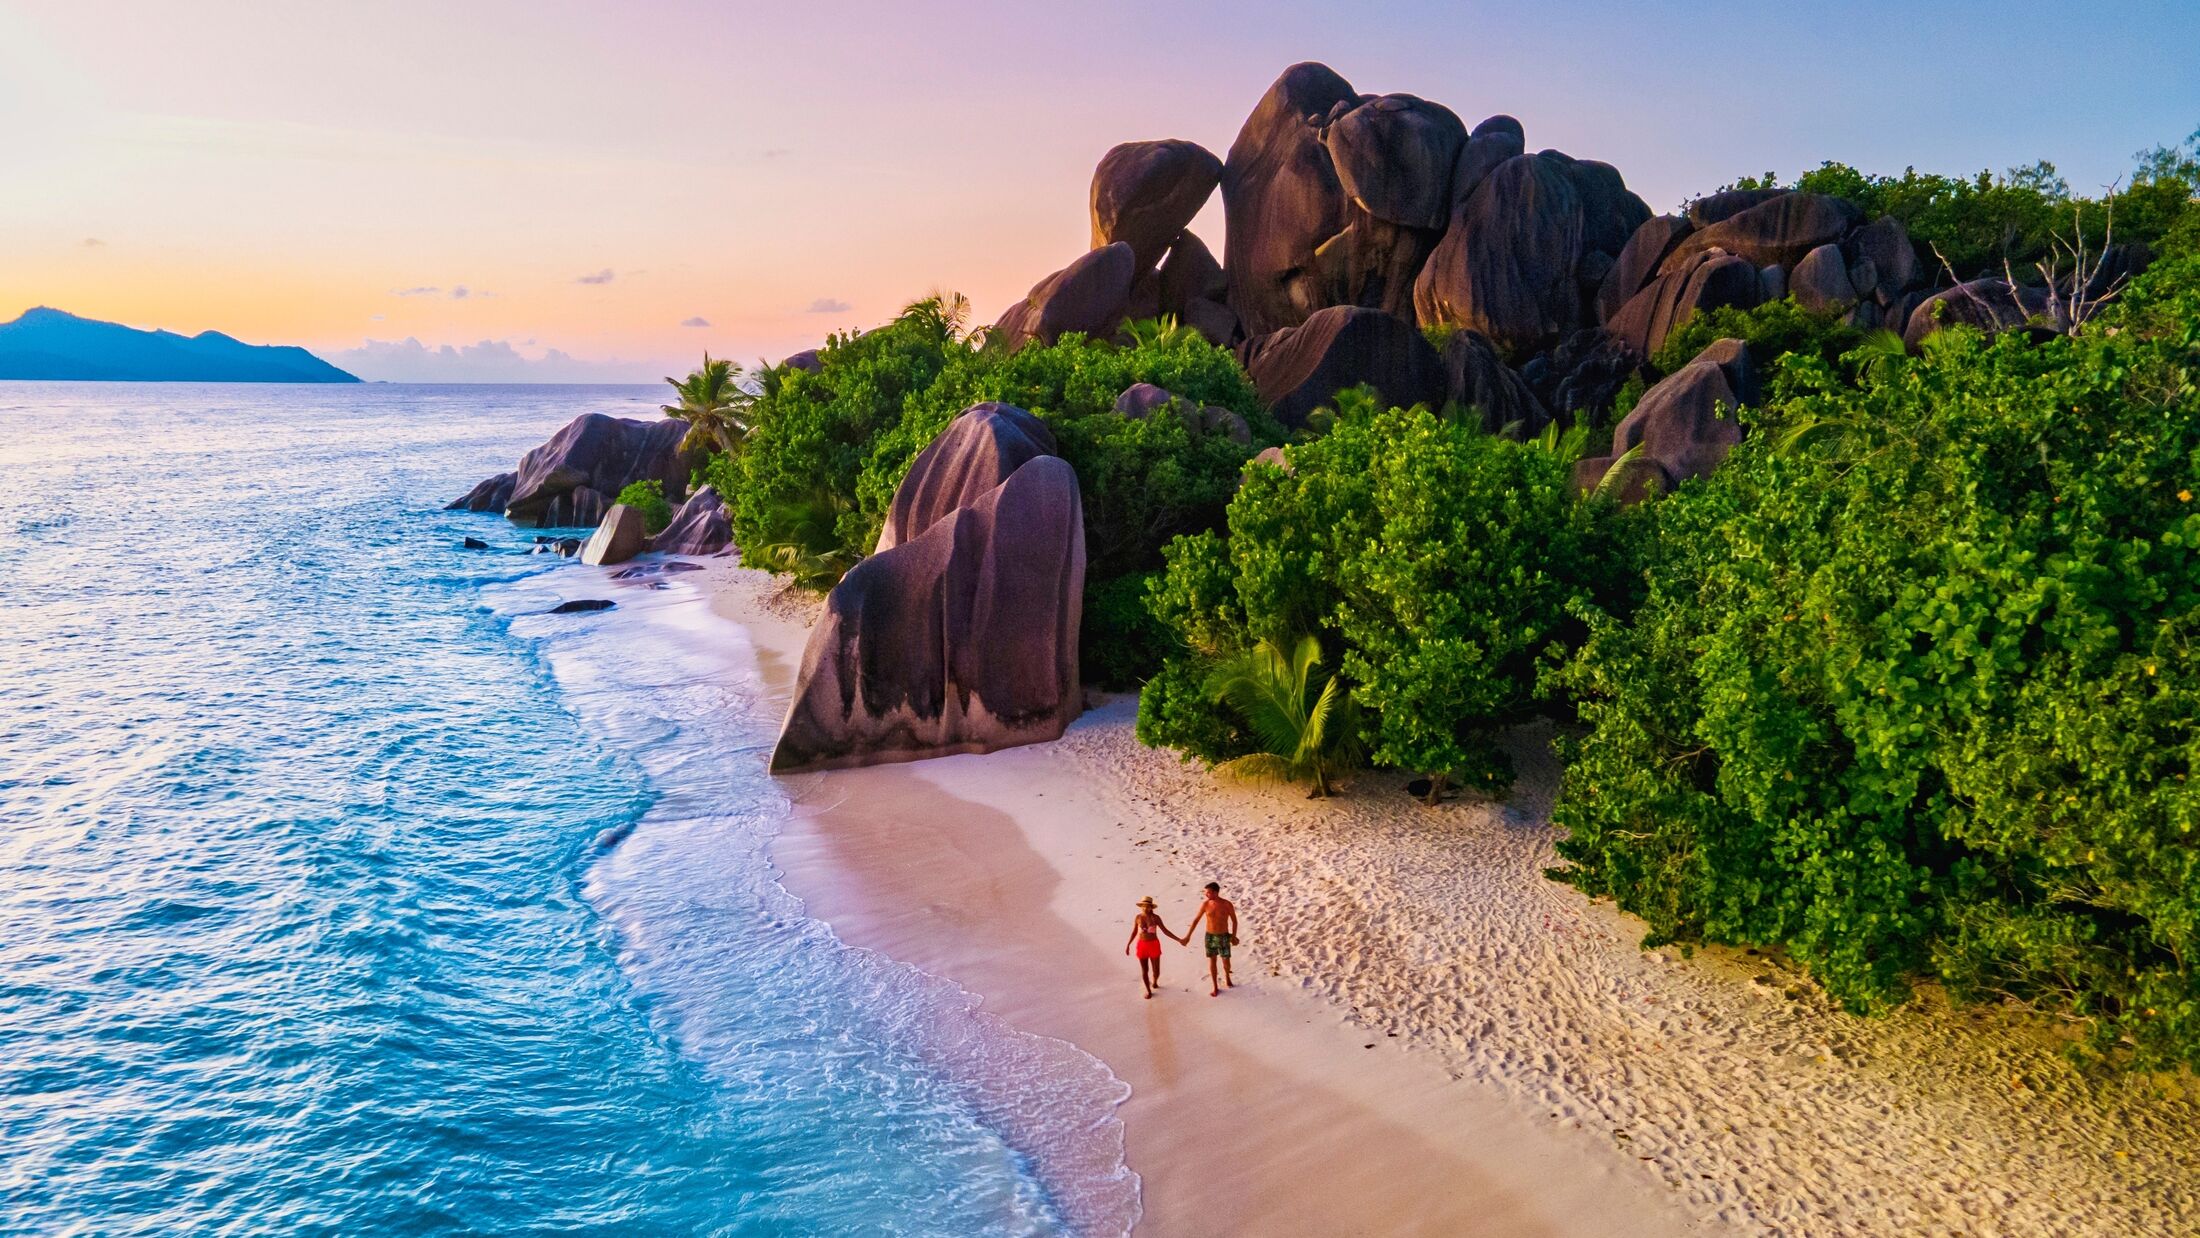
[{"x": 1217, "y": 913}]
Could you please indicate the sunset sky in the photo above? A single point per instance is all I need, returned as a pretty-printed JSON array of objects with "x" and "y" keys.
[{"x": 580, "y": 191}]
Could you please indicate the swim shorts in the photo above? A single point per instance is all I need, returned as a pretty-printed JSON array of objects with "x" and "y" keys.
[{"x": 1218, "y": 945}]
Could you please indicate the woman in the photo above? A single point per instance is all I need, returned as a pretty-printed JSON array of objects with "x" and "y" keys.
[{"x": 1146, "y": 928}]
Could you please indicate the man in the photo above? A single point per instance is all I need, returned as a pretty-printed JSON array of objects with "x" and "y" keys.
[{"x": 1219, "y": 917}]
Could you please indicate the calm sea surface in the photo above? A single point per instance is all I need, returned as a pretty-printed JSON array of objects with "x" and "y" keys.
[{"x": 342, "y": 891}]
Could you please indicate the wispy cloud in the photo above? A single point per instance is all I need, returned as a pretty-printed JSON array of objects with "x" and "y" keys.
[
  {"x": 459, "y": 293},
  {"x": 92, "y": 242},
  {"x": 829, "y": 305},
  {"x": 424, "y": 290},
  {"x": 697, "y": 321},
  {"x": 604, "y": 276},
  {"x": 775, "y": 152},
  {"x": 490, "y": 361}
]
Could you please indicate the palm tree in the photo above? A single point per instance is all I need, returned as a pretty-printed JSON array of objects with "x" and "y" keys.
[
  {"x": 713, "y": 404},
  {"x": 1301, "y": 727}
]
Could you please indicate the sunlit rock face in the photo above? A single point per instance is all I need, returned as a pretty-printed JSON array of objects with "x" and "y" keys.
[{"x": 960, "y": 636}]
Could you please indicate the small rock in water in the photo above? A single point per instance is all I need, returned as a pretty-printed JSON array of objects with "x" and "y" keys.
[
  {"x": 579, "y": 605},
  {"x": 567, "y": 546},
  {"x": 612, "y": 837},
  {"x": 474, "y": 543}
]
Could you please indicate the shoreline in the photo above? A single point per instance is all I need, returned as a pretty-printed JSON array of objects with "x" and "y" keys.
[
  {"x": 1263, "y": 1111},
  {"x": 1532, "y": 1069}
]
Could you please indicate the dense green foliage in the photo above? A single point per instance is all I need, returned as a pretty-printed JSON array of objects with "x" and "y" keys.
[
  {"x": 648, "y": 498},
  {"x": 1982, "y": 223},
  {"x": 1914, "y": 692},
  {"x": 817, "y": 470},
  {"x": 1773, "y": 331},
  {"x": 1439, "y": 559}
]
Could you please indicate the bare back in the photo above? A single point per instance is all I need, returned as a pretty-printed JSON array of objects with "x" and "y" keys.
[{"x": 1216, "y": 915}]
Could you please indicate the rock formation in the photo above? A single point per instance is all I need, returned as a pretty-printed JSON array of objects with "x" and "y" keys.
[
  {"x": 1685, "y": 425},
  {"x": 1145, "y": 194},
  {"x": 963, "y": 636},
  {"x": 1302, "y": 368},
  {"x": 571, "y": 480},
  {"x": 622, "y": 535},
  {"x": 1477, "y": 378},
  {"x": 1707, "y": 280},
  {"x": 1091, "y": 295},
  {"x": 700, "y": 527},
  {"x": 971, "y": 457}
]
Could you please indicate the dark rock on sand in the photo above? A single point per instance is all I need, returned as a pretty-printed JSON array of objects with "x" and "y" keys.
[
  {"x": 581, "y": 606},
  {"x": 622, "y": 535},
  {"x": 1300, "y": 369},
  {"x": 962, "y": 639},
  {"x": 700, "y": 527},
  {"x": 1145, "y": 193},
  {"x": 1091, "y": 295}
]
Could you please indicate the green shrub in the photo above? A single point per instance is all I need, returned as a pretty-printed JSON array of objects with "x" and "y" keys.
[
  {"x": 1439, "y": 559},
  {"x": 792, "y": 493},
  {"x": 1774, "y": 331},
  {"x": 648, "y": 498},
  {"x": 1919, "y": 696}
]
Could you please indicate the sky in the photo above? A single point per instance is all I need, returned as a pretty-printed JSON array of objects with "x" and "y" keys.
[{"x": 490, "y": 191}]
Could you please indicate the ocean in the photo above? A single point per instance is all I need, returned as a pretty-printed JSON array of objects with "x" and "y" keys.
[{"x": 344, "y": 891}]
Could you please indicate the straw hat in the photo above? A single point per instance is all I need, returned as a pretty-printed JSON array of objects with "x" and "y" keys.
[{"x": 1147, "y": 902}]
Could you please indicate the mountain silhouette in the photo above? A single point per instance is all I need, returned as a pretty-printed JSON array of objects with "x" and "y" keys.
[{"x": 51, "y": 344}]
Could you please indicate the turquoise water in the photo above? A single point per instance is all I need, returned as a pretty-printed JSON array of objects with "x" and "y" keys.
[{"x": 342, "y": 891}]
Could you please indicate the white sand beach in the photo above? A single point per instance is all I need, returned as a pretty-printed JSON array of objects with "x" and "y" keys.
[{"x": 1429, "y": 1036}]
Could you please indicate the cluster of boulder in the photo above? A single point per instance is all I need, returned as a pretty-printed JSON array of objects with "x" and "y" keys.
[
  {"x": 572, "y": 481},
  {"x": 1359, "y": 226},
  {"x": 959, "y": 633}
]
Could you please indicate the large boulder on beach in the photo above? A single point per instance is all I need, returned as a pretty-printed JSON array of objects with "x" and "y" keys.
[
  {"x": 572, "y": 480},
  {"x": 1777, "y": 231},
  {"x": 1191, "y": 285},
  {"x": 1091, "y": 295},
  {"x": 1685, "y": 425},
  {"x": 1145, "y": 193},
  {"x": 1580, "y": 380},
  {"x": 962, "y": 639},
  {"x": 978, "y": 450},
  {"x": 1299, "y": 369},
  {"x": 623, "y": 534},
  {"x": 700, "y": 527}
]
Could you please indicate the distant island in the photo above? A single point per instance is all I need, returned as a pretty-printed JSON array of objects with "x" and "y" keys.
[{"x": 55, "y": 345}]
